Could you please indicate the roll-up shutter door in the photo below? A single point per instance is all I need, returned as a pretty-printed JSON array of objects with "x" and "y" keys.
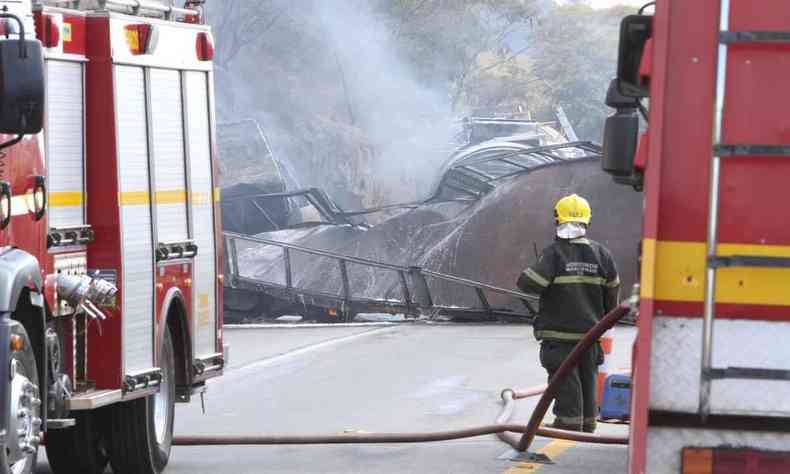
[
  {"x": 167, "y": 130},
  {"x": 204, "y": 294},
  {"x": 138, "y": 267},
  {"x": 65, "y": 143}
]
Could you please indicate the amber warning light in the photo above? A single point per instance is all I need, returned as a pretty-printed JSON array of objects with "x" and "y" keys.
[
  {"x": 138, "y": 38},
  {"x": 734, "y": 461}
]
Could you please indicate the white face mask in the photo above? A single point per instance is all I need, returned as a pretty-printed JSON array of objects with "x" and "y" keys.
[{"x": 571, "y": 230}]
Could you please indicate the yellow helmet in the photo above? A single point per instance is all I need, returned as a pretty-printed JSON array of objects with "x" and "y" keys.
[{"x": 573, "y": 208}]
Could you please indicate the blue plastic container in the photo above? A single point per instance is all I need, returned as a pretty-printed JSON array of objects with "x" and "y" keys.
[{"x": 616, "y": 398}]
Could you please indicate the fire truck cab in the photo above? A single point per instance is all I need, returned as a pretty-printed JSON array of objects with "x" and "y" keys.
[
  {"x": 110, "y": 248},
  {"x": 711, "y": 378}
]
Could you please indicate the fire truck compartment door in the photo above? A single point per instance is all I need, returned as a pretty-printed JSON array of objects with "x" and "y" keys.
[
  {"x": 167, "y": 132},
  {"x": 204, "y": 315},
  {"x": 137, "y": 288},
  {"x": 65, "y": 143}
]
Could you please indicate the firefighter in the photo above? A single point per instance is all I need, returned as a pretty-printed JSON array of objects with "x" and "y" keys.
[{"x": 577, "y": 282}]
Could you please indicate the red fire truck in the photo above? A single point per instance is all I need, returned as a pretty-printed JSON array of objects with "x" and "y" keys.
[
  {"x": 110, "y": 265},
  {"x": 711, "y": 378}
]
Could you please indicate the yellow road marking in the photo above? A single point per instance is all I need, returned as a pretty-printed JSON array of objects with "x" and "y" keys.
[{"x": 552, "y": 450}]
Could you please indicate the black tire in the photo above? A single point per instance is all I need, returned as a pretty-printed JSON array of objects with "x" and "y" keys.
[
  {"x": 134, "y": 445},
  {"x": 81, "y": 449},
  {"x": 26, "y": 361}
]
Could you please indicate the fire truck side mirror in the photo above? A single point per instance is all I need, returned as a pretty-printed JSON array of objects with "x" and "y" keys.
[
  {"x": 621, "y": 133},
  {"x": 635, "y": 30},
  {"x": 21, "y": 87},
  {"x": 620, "y": 139}
]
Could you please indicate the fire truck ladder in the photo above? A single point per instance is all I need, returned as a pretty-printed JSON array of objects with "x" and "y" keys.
[
  {"x": 714, "y": 262},
  {"x": 416, "y": 296}
]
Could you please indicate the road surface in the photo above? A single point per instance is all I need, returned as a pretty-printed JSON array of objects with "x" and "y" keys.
[{"x": 414, "y": 377}]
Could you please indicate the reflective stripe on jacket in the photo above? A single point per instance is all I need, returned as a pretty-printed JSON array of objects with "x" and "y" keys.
[{"x": 577, "y": 282}]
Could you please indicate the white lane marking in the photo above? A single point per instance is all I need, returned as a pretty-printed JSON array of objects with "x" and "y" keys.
[
  {"x": 285, "y": 356},
  {"x": 306, "y": 325}
]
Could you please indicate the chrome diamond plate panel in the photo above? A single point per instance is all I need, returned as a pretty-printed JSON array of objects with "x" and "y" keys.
[{"x": 675, "y": 365}]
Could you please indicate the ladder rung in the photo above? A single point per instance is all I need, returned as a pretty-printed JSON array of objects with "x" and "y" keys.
[
  {"x": 751, "y": 150},
  {"x": 749, "y": 261},
  {"x": 747, "y": 373},
  {"x": 731, "y": 37}
]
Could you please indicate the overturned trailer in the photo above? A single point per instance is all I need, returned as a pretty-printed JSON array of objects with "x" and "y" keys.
[{"x": 487, "y": 213}]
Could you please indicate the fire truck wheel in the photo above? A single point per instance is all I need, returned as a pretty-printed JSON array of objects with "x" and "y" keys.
[
  {"x": 81, "y": 448},
  {"x": 24, "y": 420},
  {"x": 141, "y": 431}
]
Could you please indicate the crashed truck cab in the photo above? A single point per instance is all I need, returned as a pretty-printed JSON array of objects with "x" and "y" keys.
[{"x": 108, "y": 216}]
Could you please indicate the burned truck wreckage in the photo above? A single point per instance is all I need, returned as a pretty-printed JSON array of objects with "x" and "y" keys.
[{"x": 455, "y": 254}]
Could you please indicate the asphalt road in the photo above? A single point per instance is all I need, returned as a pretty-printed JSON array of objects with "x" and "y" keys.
[{"x": 377, "y": 379}]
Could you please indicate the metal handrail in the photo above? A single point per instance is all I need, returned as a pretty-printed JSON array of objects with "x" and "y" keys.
[
  {"x": 125, "y": 6},
  {"x": 477, "y": 284},
  {"x": 320, "y": 253},
  {"x": 421, "y": 291}
]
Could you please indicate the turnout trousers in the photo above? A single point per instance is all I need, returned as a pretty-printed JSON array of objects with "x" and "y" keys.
[{"x": 575, "y": 405}]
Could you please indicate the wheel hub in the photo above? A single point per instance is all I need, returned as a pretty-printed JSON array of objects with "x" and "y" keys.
[
  {"x": 161, "y": 404},
  {"x": 24, "y": 424}
]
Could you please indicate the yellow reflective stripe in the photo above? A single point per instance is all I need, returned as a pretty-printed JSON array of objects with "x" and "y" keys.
[
  {"x": 201, "y": 199},
  {"x": 647, "y": 281},
  {"x": 65, "y": 199},
  {"x": 588, "y": 280},
  {"x": 178, "y": 196},
  {"x": 558, "y": 335},
  {"x": 137, "y": 198},
  {"x": 537, "y": 277},
  {"x": 580, "y": 240},
  {"x": 217, "y": 194},
  {"x": 614, "y": 283},
  {"x": 675, "y": 271},
  {"x": 134, "y": 198}
]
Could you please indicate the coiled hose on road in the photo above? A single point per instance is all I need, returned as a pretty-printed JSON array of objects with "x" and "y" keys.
[{"x": 502, "y": 427}]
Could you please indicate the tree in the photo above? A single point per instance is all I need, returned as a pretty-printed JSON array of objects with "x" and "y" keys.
[
  {"x": 444, "y": 39},
  {"x": 573, "y": 61}
]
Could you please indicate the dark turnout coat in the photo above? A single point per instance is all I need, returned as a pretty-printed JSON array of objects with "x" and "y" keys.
[{"x": 577, "y": 282}]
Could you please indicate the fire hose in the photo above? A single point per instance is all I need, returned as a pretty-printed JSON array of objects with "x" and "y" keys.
[{"x": 503, "y": 428}]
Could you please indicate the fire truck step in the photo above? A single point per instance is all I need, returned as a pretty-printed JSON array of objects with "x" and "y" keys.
[
  {"x": 749, "y": 261},
  {"x": 731, "y": 37},
  {"x": 724, "y": 150},
  {"x": 60, "y": 423},
  {"x": 747, "y": 373}
]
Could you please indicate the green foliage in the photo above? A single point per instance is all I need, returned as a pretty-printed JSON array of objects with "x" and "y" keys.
[
  {"x": 573, "y": 60},
  {"x": 512, "y": 54}
]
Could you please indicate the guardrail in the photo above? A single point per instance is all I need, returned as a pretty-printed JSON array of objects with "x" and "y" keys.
[{"x": 417, "y": 297}]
